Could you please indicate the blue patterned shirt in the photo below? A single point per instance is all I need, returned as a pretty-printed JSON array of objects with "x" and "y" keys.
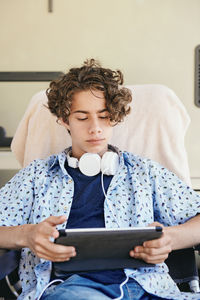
[{"x": 140, "y": 193}]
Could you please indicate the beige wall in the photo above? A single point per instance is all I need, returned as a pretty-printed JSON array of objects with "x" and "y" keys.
[{"x": 152, "y": 41}]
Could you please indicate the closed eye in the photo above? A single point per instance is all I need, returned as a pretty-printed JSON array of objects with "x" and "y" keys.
[
  {"x": 82, "y": 119},
  {"x": 106, "y": 117}
]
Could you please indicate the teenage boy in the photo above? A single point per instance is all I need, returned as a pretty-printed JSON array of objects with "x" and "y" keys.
[{"x": 63, "y": 191}]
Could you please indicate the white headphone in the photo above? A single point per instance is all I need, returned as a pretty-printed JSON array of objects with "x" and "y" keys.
[{"x": 91, "y": 164}]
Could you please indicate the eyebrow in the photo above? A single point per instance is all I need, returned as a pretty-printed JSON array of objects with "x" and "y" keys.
[{"x": 87, "y": 112}]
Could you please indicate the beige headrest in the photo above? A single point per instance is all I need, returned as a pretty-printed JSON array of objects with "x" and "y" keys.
[{"x": 155, "y": 128}]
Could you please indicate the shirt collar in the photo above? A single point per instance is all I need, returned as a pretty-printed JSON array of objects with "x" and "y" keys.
[{"x": 58, "y": 159}]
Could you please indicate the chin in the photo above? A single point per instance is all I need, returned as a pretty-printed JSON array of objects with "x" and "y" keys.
[{"x": 101, "y": 151}]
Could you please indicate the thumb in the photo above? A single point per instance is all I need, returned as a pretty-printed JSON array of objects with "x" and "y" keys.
[
  {"x": 156, "y": 224},
  {"x": 56, "y": 220}
]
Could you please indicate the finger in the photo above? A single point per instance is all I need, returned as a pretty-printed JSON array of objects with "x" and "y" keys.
[
  {"x": 62, "y": 250},
  {"x": 156, "y": 257},
  {"x": 135, "y": 252},
  {"x": 61, "y": 258},
  {"x": 155, "y": 251},
  {"x": 156, "y": 224},
  {"x": 139, "y": 250},
  {"x": 49, "y": 223},
  {"x": 52, "y": 250},
  {"x": 55, "y": 220},
  {"x": 53, "y": 257},
  {"x": 152, "y": 259},
  {"x": 45, "y": 229},
  {"x": 56, "y": 249},
  {"x": 158, "y": 243}
]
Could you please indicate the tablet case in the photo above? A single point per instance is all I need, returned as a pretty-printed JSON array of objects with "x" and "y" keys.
[{"x": 104, "y": 249}]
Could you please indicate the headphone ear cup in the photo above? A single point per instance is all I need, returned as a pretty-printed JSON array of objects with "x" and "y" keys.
[
  {"x": 72, "y": 161},
  {"x": 109, "y": 163},
  {"x": 90, "y": 164}
]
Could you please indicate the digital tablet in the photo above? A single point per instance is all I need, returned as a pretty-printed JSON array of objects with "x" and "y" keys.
[{"x": 104, "y": 249}]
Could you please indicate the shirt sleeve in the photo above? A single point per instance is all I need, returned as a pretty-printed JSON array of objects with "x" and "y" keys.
[
  {"x": 174, "y": 201},
  {"x": 16, "y": 198}
]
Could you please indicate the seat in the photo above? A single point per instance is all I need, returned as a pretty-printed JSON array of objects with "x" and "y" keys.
[
  {"x": 155, "y": 128},
  {"x": 10, "y": 286}
]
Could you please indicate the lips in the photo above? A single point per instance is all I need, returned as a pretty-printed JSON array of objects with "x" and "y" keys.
[{"x": 95, "y": 141}]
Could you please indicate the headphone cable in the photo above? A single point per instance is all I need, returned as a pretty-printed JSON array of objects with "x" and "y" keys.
[{"x": 106, "y": 198}]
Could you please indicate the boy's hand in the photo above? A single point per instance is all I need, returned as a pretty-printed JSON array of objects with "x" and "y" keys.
[
  {"x": 154, "y": 251},
  {"x": 38, "y": 240}
]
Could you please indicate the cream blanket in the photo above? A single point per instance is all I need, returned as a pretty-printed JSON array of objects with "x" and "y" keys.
[{"x": 155, "y": 128}]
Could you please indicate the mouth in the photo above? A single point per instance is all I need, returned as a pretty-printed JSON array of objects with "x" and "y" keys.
[{"x": 95, "y": 141}]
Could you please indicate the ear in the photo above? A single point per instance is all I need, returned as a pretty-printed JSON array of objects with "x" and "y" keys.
[{"x": 64, "y": 124}]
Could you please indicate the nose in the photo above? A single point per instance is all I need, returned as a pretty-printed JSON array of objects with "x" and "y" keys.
[{"x": 95, "y": 127}]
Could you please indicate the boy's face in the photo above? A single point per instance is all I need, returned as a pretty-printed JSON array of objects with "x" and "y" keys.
[{"x": 89, "y": 123}]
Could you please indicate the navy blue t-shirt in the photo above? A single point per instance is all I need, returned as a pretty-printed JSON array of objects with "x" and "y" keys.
[
  {"x": 88, "y": 201},
  {"x": 87, "y": 211}
]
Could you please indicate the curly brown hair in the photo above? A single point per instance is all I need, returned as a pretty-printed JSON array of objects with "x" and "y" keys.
[{"x": 91, "y": 76}]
